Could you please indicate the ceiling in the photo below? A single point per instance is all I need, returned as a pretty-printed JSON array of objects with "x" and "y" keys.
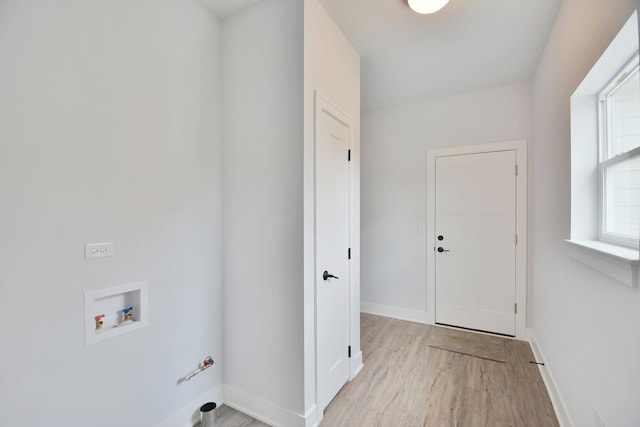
[{"x": 469, "y": 45}]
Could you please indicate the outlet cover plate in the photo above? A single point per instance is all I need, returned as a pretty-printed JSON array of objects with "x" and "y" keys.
[{"x": 98, "y": 250}]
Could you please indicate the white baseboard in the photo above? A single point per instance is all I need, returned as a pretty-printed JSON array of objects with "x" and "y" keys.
[
  {"x": 263, "y": 410},
  {"x": 189, "y": 414},
  {"x": 253, "y": 406},
  {"x": 311, "y": 418},
  {"x": 554, "y": 392},
  {"x": 356, "y": 365},
  {"x": 394, "y": 312}
]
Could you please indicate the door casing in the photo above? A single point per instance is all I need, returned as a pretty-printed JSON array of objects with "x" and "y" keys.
[
  {"x": 355, "y": 361},
  {"x": 520, "y": 148}
]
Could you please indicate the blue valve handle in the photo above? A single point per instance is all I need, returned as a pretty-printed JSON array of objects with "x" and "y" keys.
[{"x": 127, "y": 310}]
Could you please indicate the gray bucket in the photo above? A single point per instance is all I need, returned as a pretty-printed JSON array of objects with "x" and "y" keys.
[{"x": 208, "y": 415}]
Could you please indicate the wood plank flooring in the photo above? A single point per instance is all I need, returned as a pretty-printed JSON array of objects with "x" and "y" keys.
[
  {"x": 406, "y": 383},
  {"x": 229, "y": 417}
]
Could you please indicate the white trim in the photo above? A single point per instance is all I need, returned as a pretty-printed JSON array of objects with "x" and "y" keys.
[
  {"x": 586, "y": 132},
  {"x": 260, "y": 409},
  {"x": 355, "y": 365},
  {"x": 400, "y": 313},
  {"x": 311, "y": 417},
  {"x": 520, "y": 148},
  {"x": 263, "y": 410},
  {"x": 564, "y": 419},
  {"x": 618, "y": 262},
  {"x": 189, "y": 414}
]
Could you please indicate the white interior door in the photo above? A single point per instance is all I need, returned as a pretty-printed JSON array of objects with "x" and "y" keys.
[
  {"x": 333, "y": 135},
  {"x": 475, "y": 241}
]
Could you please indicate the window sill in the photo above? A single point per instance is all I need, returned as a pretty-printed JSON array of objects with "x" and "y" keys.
[{"x": 615, "y": 261}]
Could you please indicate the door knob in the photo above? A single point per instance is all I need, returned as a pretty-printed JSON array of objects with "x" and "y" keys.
[
  {"x": 441, "y": 249},
  {"x": 326, "y": 275}
]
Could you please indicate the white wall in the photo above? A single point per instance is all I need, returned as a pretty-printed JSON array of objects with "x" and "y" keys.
[
  {"x": 332, "y": 68},
  {"x": 110, "y": 119},
  {"x": 276, "y": 54},
  {"x": 586, "y": 324},
  {"x": 394, "y": 179},
  {"x": 263, "y": 206}
]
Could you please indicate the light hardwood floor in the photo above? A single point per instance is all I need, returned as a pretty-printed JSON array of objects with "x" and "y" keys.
[
  {"x": 229, "y": 417},
  {"x": 407, "y": 383}
]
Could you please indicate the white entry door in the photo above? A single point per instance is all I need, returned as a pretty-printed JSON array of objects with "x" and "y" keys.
[
  {"x": 475, "y": 241},
  {"x": 332, "y": 138}
]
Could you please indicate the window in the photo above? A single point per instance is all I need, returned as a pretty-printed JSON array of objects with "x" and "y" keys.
[
  {"x": 605, "y": 161},
  {"x": 619, "y": 164}
]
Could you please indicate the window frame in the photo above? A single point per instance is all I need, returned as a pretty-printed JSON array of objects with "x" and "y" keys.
[
  {"x": 605, "y": 157},
  {"x": 620, "y": 263}
]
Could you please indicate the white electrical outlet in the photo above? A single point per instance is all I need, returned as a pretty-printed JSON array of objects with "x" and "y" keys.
[
  {"x": 597, "y": 418},
  {"x": 98, "y": 250}
]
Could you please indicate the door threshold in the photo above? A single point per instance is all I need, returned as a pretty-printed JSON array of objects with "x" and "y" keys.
[{"x": 476, "y": 330}]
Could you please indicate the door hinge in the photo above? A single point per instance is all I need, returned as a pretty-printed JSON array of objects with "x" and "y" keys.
[
  {"x": 349, "y": 155},
  {"x": 349, "y": 254},
  {"x": 515, "y": 308},
  {"x": 349, "y": 351},
  {"x": 516, "y": 239},
  {"x": 516, "y": 170}
]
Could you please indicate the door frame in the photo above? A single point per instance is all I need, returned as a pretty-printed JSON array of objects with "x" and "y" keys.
[
  {"x": 355, "y": 361},
  {"x": 520, "y": 147}
]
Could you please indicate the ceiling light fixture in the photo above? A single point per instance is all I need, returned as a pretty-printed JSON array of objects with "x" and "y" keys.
[{"x": 424, "y": 7}]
